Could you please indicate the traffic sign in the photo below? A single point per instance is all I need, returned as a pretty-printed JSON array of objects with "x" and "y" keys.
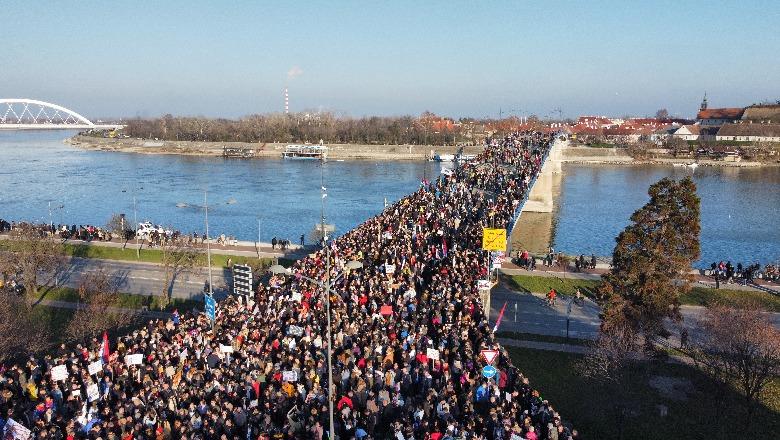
[
  {"x": 489, "y": 371},
  {"x": 489, "y": 356},
  {"x": 211, "y": 307},
  {"x": 242, "y": 279},
  {"x": 493, "y": 239}
]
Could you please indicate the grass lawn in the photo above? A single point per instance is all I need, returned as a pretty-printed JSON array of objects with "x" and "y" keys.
[
  {"x": 541, "y": 338},
  {"x": 698, "y": 296},
  {"x": 589, "y": 407},
  {"x": 126, "y": 300},
  {"x": 147, "y": 255}
]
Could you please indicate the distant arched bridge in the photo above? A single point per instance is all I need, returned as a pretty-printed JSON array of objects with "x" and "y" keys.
[{"x": 30, "y": 114}]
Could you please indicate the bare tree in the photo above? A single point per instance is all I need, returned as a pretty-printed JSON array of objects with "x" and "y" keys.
[
  {"x": 662, "y": 114},
  {"x": 99, "y": 291},
  {"x": 32, "y": 253},
  {"x": 610, "y": 361},
  {"x": 21, "y": 333},
  {"x": 119, "y": 226},
  {"x": 739, "y": 346},
  {"x": 178, "y": 256}
]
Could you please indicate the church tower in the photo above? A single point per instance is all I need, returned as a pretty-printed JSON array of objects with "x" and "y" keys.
[{"x": 704, "y": 102}]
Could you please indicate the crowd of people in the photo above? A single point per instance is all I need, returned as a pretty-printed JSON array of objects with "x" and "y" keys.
[
  {"x": 728, "y": 273},
  {"x": 408, "y": 328}
]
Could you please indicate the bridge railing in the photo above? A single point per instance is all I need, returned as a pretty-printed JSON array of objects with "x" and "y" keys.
[{"x": 521, "y": 205}]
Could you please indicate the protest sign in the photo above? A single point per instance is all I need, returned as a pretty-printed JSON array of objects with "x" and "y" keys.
[
  {"x": 60, "y": 372},
  {"x": 225, "y": 348},
  {"x": 93, "y": 393},
  {"x": 432, "y": 354},
  {"x": 294, "y": 330},
  {"x": 296, "y": 296},
  {"x": 386, "y": 310},
  {"x": 95, "y": 367},
  {"x": 15, "y": 431},
  {"x": 290, "y": 376},
  {"x": 134, "y": 359},
  {"x": 389, "y": 268}
]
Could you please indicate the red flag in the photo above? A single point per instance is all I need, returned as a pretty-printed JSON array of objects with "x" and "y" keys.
[
  {"x": 106, "y": 352},
  {"x": 500, "y": 315}
]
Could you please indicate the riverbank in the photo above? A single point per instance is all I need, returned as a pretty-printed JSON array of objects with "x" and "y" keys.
[
  {"x": 264, "y": 150},
  {"x": 620, "y": 156}
]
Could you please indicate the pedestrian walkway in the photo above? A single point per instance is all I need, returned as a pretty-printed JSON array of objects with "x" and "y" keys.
[
  {"x": 547, "y": 346},
  {"x": 595, "y": 275},
  {"x": 242, "y": 248}
]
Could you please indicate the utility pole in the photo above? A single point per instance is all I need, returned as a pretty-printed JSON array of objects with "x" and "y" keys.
[{"x": 331, "y": 428}]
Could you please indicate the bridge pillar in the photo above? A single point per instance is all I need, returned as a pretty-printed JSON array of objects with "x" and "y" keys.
[{"x": 541, "y": 197}]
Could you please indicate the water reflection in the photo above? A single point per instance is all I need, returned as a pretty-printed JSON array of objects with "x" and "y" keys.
[{"x": 740, "y": 208}]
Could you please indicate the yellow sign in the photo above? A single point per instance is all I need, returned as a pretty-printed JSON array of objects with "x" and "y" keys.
[{"x": 493, "y": 239}]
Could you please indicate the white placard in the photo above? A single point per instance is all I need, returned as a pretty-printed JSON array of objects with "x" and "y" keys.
[
  {"x": 15, "y": 431},
  {"x": 253, "y": 403},
  {"x": 389, "y": 268},
  {"x": 432, "y": 354},
  {"x": 95, "y": 367},
  {"x": 296, "y": 296},
  {"x": 134, "y": 359},
  {"x": 60, "y": 372},
  {"x": 295, "y": 330},
  {"x": 483, "y": 284},
  {"x": 290, "y": 376},
  {"x": 93, "y": 393},
  {"x": 226, "y": 348}
]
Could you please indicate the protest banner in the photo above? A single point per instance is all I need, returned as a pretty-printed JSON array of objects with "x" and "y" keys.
[
  {"x": 296, "y": 296},
  {"x": 290, "y": 376},
  {"x": 95, "y": 367},
  {"x": 60, "y": 372},
  {"x": 432, "y": 354},
  {"x": 134, "y": 359},
  {"x": 386, "y": 310},
  {"x": 389, "y": 268},
  {"x": 225, "y": 348}
]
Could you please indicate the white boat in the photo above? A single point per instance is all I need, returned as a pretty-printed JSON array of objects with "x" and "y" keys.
[
  {"x": 444, "y": 157},
  {"x": 312, "y": 152}
]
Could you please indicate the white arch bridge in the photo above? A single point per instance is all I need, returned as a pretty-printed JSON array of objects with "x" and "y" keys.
[{"x": 30, "y": 114}]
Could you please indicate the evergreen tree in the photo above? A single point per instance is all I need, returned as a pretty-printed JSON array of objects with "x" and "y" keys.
[{"x": 651, "y": 262}]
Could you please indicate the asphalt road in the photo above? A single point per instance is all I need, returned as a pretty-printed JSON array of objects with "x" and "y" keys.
[
  {"x": 529, "y": 313},
  {"x": 142, "y": 278}
]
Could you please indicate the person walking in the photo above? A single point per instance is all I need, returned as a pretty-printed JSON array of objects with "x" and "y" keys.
[
  {"x": 274, "y": 241},
  {"x": 302, "y": 240}
]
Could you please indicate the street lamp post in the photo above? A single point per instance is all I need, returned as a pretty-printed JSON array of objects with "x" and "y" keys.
[
  {"x": 208, "y": 246},
  {"x": 327, "y": 286}
]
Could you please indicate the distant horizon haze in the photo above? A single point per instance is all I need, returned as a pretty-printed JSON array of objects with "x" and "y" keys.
[{"x": 454, "y": 58}]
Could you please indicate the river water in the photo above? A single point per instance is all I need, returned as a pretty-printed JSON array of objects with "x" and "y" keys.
[
  {"x": 284, "y": 196},
  {"x": 740, "y": 207}
]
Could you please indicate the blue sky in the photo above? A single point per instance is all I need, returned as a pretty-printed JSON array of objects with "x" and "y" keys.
[{"x": 231, "y": 58}]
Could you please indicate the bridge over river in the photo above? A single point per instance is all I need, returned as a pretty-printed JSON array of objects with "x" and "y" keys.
[{"x": 31, "y": 114}]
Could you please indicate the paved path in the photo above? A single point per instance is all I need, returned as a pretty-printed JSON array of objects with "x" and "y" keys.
[
  {"x": 595, "y": 275},
  {"x": 548, "y": 346},
  {"x": 243, "y": 248},
  {"x": 74, "y": 306},
  {"x": 529, "y": 313}
]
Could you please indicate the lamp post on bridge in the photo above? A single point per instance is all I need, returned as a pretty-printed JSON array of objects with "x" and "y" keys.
[{"x": 327, "y": 286}]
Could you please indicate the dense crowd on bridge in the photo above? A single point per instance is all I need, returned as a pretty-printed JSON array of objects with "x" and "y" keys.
[{"x": 408, "y": 329}]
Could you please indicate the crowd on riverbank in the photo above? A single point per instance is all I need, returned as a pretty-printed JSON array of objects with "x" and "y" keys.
[
  {"x": 728, "y": 273},
  {"x": 408, "y": 328}
]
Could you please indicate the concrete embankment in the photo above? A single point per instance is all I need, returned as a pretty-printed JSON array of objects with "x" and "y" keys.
[
  {"x": 264, "y": 150},
  {"x": 620, "y": 156}
]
